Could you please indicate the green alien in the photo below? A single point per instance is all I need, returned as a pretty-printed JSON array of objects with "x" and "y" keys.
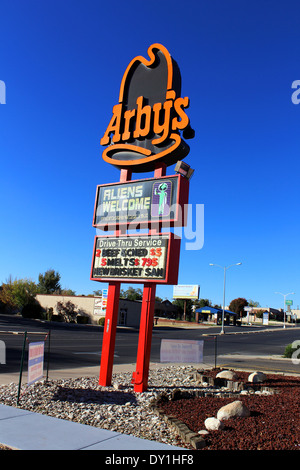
[{"x": 161, "y": 191}]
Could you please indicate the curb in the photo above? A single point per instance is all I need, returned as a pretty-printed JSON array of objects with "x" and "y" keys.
[
  {"x": 267, "y": 330},
  {"x": 188, "y": 436}
]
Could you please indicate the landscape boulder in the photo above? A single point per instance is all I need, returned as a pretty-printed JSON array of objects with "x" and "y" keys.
[
  {"x": 256, "y": 377},
  {"x": 227, "y": 374},
  {"x": 203, "y": 432},
  {"x": 235, "y": 409},
  {"x": 213, "y": 424}
]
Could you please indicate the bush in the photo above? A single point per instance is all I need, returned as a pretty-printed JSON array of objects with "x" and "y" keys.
[
  {"x": 259, "y": 313},
  {"x": 56, "y": 317},
  {"x": 67, "y": 311},
  {"x": 289, "y": 350},
  {"x": 82, "y": 319},
  {"x": 33, "y": 310},
  {"x": 49, "y": 313}
]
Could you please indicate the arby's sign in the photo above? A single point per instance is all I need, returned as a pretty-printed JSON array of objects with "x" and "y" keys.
[
  {"x": 146, "y": 133},
  {"x": 146, "y": 122}
]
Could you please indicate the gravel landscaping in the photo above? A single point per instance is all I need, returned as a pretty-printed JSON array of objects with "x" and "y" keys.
[{"x": 272, "y": 424}]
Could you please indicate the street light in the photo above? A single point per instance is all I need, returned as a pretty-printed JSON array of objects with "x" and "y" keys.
[
  {"x": 225, "y": 269},
  {"x": 284, "y": 296}
]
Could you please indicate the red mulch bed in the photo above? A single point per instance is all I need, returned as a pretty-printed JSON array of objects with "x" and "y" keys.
[{"x": 273, "y": 424}]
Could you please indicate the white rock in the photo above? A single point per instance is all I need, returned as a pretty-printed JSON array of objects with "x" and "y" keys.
[
  {"x": 117, "y": 386},
  {"x": 233, "y": 410},
  {"x": 257, "y": 377},
  {"x": 213, "y": 424},
  {"x": 187, "y": 379},
  {"x": 227, "y": 374},
  {"x": 203, "y": 432},
  {"x": 266, "y": 392}
]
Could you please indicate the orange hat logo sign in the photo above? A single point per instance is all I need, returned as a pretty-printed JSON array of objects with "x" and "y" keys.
[{"x": 144, "y": 128}]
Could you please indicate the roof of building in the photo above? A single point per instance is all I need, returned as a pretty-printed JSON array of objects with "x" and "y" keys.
[{"x": 213, "y": 310}]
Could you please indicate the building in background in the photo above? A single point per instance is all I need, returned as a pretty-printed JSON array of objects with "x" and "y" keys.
[{"x": 93, "y": 308}]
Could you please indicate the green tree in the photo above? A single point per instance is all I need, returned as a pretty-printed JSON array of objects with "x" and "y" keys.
[
  {"x": 97, "y": 292},
  {"x": 184, "y": 304},
  {"x": 237, "y": 306},
  {"x": 131, "y": 294},
  {"x": 259, "y": 313},
  {"x": 202, "y": 303},
  {"x": 15, "y": 294},
  {"x": 67, "y": 292},
  {"x": 252, "y": 303},
  {"x": 49, "y": 282}
]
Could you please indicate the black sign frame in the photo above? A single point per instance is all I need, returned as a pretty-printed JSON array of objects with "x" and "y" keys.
[
  {"x": 140, "y": 247},
  {"x": 112, "y": 209}
]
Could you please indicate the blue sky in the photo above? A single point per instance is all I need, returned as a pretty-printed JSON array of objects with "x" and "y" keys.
[{"x": 62, "y": 63}]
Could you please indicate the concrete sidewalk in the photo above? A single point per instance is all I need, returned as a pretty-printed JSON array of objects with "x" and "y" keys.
[{"x": 25, "y": 430}]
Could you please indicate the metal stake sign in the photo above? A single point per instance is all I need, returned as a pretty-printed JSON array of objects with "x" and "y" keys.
[
  {"x": 35, "y": 361},
  {"x": 143, "y": 135}
]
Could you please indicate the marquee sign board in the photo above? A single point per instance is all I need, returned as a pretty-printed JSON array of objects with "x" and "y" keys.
[
  {"x": 144, "y": 128},
  {"x": 138, "y": 204},
  {"x": 136, "y": 258}
]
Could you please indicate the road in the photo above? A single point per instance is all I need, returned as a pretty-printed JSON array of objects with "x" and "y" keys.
[{"x": 74, "y": 346}]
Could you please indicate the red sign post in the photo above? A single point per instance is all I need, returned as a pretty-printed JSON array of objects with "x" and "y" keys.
[{"x": 142, "y": 135}]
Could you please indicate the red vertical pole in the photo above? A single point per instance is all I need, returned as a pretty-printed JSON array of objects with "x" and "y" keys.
[
  {"x": 125, "y": 175},
  {"x": 145, "y": 337},
  {"x": 111, "y": 318},
  {"x": 109, "y": 334},
  {"x": 140, "y": 376}
]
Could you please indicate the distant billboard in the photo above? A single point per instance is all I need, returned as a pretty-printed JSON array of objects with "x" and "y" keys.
[{"x": 186, "y": 292}]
